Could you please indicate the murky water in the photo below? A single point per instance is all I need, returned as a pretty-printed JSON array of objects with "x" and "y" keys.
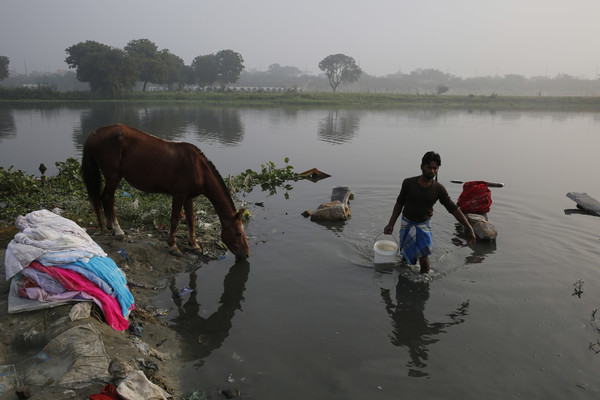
[{"x": 311, "y": 316}]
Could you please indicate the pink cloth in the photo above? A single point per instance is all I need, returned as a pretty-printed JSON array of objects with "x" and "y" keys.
[{"x": 76, "y": 282}]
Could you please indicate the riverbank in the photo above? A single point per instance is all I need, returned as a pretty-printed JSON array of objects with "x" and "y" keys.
[
  {"x": 148, "y": 345},
  {"x": 295, "y": 98}
]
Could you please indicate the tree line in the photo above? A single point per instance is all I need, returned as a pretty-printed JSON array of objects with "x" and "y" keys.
[{"x": 112, "y": 70}]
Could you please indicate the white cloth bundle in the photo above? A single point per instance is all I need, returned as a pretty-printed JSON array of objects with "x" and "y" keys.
[{"x": 45, "y": 236}]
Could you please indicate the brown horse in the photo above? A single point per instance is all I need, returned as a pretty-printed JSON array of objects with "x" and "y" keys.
[{"x": 155, "y": 165}]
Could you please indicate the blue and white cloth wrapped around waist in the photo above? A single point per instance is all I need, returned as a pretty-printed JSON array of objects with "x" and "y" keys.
[{"x": 416, "y": 240}]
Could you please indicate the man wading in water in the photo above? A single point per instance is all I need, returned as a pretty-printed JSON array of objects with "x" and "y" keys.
[{"x": 415, "y": 202}]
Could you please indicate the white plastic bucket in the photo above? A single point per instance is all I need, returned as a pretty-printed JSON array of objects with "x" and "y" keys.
[{"x": 385, "y": 251}]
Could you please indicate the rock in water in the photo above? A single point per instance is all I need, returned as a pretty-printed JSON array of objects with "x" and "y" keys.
[
  {"x": 332, "y": 211},
  {"x": 335, "y": 210},
  {"x": 484, "y": 230}
]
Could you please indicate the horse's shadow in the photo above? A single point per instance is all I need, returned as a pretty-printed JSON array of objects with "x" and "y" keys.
[{"x": 201, "y": 336}]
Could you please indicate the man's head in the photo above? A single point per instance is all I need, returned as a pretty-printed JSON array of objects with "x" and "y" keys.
[
  {"x": 431, "y": 156},
  {"x": 430, "y": 164}
]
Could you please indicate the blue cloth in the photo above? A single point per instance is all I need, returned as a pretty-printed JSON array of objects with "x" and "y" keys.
[
  {"x": 89, "y": 275},
  {"x": 416, "y": 240},
  {"x": 59, "y": 257},
  {"x": 107, "y": 270}
]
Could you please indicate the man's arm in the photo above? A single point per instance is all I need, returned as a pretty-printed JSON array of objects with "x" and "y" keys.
[
  {"x": 389, "y": 228},
  {"x": 460, "y": 217}
]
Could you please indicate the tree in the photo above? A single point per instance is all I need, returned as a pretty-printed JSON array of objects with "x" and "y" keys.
[
  {"x": 340, "y": 68},
  {"x": 175, "y": 69},
  {"x": 188, "y": 75},
  {"x": 4, "y": 61},
  {"x": 205, "y": 70},
  {"x": 277, "y": 70},
  {"x": 441, "y": 89},
  {"x": 149, "y": 63},
  {"x": 229, "y": 65},
  {"x": 106, "y": 69}
]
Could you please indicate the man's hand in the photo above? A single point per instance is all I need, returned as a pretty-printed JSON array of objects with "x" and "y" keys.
[
  {"x": 389, "y": 229},
  {"x": 471, "y": 236}
]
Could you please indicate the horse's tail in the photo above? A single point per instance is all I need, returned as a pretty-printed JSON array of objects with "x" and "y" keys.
[{"x": 92, "y": 177}]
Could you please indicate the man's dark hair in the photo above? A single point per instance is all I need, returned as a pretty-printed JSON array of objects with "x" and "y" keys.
[{"x": 431, "y": 156}]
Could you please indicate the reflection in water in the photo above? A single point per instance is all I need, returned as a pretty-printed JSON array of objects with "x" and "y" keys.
[
  {"x": 334, "y": 226},
  {"x": 8, "y": 129},
  {"x": 167, "y": 122},
  {"x": 410, "y": 327},
  {"x": 339, "y": 127},
  {"x": 220, "y": 124},
  {"x": 204, "y": 335},
  {"x": 98, "y": 115},
  {"x": 481, "y": 248}
]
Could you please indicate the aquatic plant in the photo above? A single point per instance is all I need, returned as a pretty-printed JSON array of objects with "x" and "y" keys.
[
  {"x": 21, "y": 193},
  {"x": 269, "y": 178}
]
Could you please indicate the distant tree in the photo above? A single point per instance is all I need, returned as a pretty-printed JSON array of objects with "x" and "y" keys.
[
  {"x": 106, "y": 69},
  {"x": 284, "y": 72},
  {"x": 150, "y": 65},
  {"x": 4, "y": 61},
  {"x": 441, "y": 89},
  {"x": 188, "y": 75},
  {"x": 340, "y": 68},
  {"x": 205, "y": 69},
  {"x": 229, "y": 66},
  {"x": 175, "y": 69},
  {"x": 514, "y": 82},
  {"x": 429, "y": 74}
]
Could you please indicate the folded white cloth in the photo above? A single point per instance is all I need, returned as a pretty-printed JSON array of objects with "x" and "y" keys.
[{"x": 45, "y": 235}]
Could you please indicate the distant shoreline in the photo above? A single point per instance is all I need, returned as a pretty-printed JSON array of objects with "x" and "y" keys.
[{"x": 318, "y": 99}]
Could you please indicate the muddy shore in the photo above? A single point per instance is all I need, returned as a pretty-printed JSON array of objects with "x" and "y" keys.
[{"x": 148, "y": 345}]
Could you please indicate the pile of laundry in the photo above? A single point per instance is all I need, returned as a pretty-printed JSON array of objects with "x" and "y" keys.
[{"x": 52, "y": 259}]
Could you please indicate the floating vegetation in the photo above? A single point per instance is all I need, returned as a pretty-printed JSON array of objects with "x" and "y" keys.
[
  {"x": 578, "y": 288},
  {"x": 269, "y": 178}
]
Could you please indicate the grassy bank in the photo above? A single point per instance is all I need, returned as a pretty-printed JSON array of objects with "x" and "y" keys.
[
  {"x": 21, "y": 193},
  {"x": 297, "y": 98}
]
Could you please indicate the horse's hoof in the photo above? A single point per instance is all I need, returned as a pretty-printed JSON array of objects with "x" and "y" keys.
[
  {"x": 120, "y": 237},
  {"x": 196, "y": 248},
  {"x": 174, "y": 251}
]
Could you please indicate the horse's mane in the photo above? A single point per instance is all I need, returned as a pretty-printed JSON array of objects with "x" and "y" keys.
[{"x": 218, "y": 176}]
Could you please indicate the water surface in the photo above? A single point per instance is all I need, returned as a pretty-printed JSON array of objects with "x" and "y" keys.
[{"x": 311, "y": 316}]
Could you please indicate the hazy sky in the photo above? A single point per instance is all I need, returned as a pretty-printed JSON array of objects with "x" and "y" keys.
[{"x": 461, "y": 37}]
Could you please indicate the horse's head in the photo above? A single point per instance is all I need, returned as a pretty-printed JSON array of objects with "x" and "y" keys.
[{"x": 234, "y": 237}]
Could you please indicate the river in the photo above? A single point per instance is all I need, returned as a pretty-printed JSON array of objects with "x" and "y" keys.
[{"x": 312, "y": 316}]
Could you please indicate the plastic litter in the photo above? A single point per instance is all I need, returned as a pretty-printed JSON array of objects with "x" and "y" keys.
[{"x": 137, "y": 387}]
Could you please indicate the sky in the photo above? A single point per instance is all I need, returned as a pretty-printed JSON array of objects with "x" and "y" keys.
[{"x": 465, "y": 38}]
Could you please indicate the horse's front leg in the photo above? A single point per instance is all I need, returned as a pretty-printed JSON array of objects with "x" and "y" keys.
[
  {"x": 108, "y": 203},
  {"x": 191, "y": 223},
  {"x": 175, "y": 212}
]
